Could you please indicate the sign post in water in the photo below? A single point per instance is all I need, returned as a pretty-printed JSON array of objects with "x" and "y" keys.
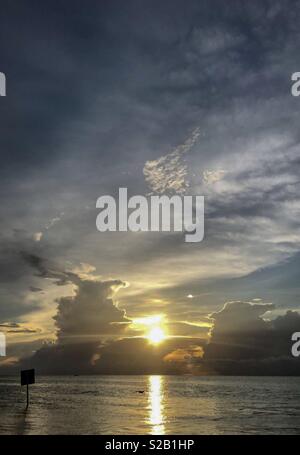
[{"x": 27, "y": 377}]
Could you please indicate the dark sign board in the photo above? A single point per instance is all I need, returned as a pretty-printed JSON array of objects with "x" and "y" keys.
[{"x": 27, "y": 377}]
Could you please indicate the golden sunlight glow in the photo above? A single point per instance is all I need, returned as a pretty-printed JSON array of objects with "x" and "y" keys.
[
  {"x": 156, "y": 406},
  {"x": 156, "y": 335},
  {"x": 152, "y": 327},
  {"x": 150, "y": 320}
]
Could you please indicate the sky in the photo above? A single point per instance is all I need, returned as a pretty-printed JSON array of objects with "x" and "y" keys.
[{"x": 165, "y": 97}]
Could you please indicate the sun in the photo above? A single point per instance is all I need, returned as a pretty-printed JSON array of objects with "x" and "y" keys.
[
  {"x": 153, "y": 328},
  {"x": 156, "y": 335}
]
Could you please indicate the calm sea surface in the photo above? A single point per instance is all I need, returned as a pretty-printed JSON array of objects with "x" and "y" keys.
[{"x": 169, "y": 405}]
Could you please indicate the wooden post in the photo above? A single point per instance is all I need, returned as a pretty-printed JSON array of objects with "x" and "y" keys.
[
  {"x": 27, "y": 396},
  {"x": 27, "y": 377}
]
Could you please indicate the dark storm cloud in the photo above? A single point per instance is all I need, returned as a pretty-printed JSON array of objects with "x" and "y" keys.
[
  {"x": 242, "y": 342},
  {"x": 15, "y": 275},
  {"x": 47, "y": 67},
  {"x": 123, "y": 356},
  {"x": 71, "y": 56},
  {"x": 45, "y": 269},
  {"x": 138, "y": 356}
]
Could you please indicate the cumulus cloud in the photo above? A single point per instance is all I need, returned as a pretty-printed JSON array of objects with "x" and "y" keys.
[
  {"x": 84, "y": 320},
  {"x": 91, "y": 311},
  {"x": 243, "y": 342}
]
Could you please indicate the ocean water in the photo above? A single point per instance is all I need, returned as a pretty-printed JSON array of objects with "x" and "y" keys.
[{"x": 169, "y": 405}]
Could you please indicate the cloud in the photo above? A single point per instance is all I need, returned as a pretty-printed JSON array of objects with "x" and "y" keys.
[
  {"x": 83, "y": 320},
  {"x": 211, "y": 177},
  {"x": 63, "y": 358},
  {"x": 209, "y": 41},
  {"x": 37, "y": 236},
  {"x": 35, "y": 289},
  {"x": 185, "y": 356},
  {"x": 16, "y": 276},
  {"x": 91, "y": 331},
  {"x": 46, "y": 269},
  {"x": 83, "y": 270},
  {"x": 54, "y": 220},
  {"x": 9, "y": 325},
  {"x": 91, "y": 311},
  {"x": 138, "y": 356},
  {"x": 14, "y": 327},
  {"x": 169, "y": 174},
  {"x": 243, "y": 342},
  {"x": 133, "y": 355},
  {"x": 24, "y": 330}
]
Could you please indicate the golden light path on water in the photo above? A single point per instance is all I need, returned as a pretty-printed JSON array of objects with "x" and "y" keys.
[{"x": 156, "y": 404}]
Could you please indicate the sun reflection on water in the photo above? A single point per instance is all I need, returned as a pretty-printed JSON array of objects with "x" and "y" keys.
[{"x": 156, "y": 405}]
